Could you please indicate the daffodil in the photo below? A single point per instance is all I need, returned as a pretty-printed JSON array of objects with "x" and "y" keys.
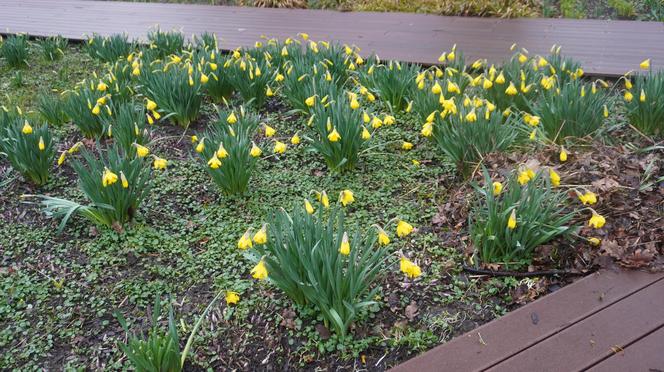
[
  {"x": 141, "y": 151},
  {"x": 629, "y": 96},
  {"x": 232, "y": 298},
  {"x": 151, "y": 105},
  {"x": 404, "y": 228},
  {"x": 389, "y": 120},
  {"x": 409, "y": 268},
  {"x": 259, "y": 271},
  {"x": 354, "y": 104},
  {"x": 295, "y": 140},
  {"x": 588, "y": 198},
  {"x": 453, "y": 88},
  {"x": 376, "y": 122},
  {"x": 383, "y": 238},
  {"x": 279, "y": 77},
  {"x": 436, "y": 88},
  {"x": 261, "y": 235},
  {"x": 280, "y": 147},
  {"x": 201, "y": 146},
  {"x": 645, "y": 65},
  {"x": 596, "y": 221},
  {"x": 123, "y": 180},
  {"x": 497, "y": 188},
  {"x": 511, "y": 90},
  {"x": 194, "y": 138},
  {"x": 310, "y": 101},
  {"x": 102, "y": 86},
  {"x": 214, "y": 162},
  {"x": 269, "y": 131},
  {"x": 41, "y": 145},
  {"x": 563, "y": 155},
  {"x": 231, "y": 119},
  {"x": 500, "y": 79},
  {"x": 346, "y": 197},
  {"x": 344, "y": 247},
  {"x": 427, "y": 129},
  {"x": 406, "y": 145},
  {"x": 245, "y": 241},
  {"x": 511, "y": 221},
  {"x": 471, "y": 116},
  {"x": 554, "y": 177},
  {"x": 365, "y": 134},
  {"x": 27, "y": 129},
  {"x": 108, "y": 177},
  {"x": 334, "y": 136},
  {"x": 642, "y": 96},
  {"x": 594, "y": 241},
  {"x": 221, "y": 151},
  {"x": 159, "y": 163},
  {"x": 96, "y": 110},
  {"x": 62, "y": 158},
  {"x": 308, "y": 207},
  {"x": 525, "y": 176},
  {"x": 255, "y": 150}
]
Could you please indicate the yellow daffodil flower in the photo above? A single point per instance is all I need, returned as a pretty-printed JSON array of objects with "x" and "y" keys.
[
  {"x": 346, "y": 197},
  {"x": 261, "y": 235},
  {"x": 108, "y": 178},
  {"x": 344, "y": 247},
  {"x": 255, "y": 150},
  {"x": 497, "y": 188},
  {"x": 232, "y": 298},
  {"x": 280, "y": 147},
  {"x": 409, "y": 268},
  {"x": 159, "y": 163},
  {"x": 259, "y": 271},
  {"x": 511, "y": 222},
  {"x": 596, "y": 221},
  {"x": 404, "y": 228}
]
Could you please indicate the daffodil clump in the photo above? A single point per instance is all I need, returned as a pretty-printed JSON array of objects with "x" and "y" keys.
[
  {"x": 436, "y": 88},
  {"x": 114, "y": 182},
  {"x": 109, "y": 48},
  {"x": 644, "y": 99},
  {"x": 51, "y": 108},
  {"x": 510, "y": 220},
  {"x": 468, "y": 131},
  {"x": 53, "y": 47},
  {"x": 227, "y": 151},
  {"x": 251, "y": 76},
  {"x": 317, "y": 261},
  {"x": 574, "y": 110},
  {"x": 304, "y": 81},
  {"x": 341, "y": 131},
  {"x": 88, "y": 107},
  {"x": 165, "y": 43},
  {"x": 391, "y": 82},
  {"x": 14, "y": 50},
  {"x": 129, "y": 127},
  {"x": 175, "y": 86},
  {"x": 516, "y": 84},
  {"x": 216, "y": 70},
  {"x": 28, "y": 146}
]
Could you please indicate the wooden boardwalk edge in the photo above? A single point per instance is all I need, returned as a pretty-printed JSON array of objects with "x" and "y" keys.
[
  {"x": 523, "y": 328},
  {"x": 604, "y": 48}
]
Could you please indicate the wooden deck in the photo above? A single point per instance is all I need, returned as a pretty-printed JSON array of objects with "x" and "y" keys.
[
  {"x": 607, "y": 48},
  {"x": 608, "y": 321}
]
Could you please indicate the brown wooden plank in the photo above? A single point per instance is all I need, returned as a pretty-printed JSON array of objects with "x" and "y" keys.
[
  {"x": 591, "y": 340},
  {"x": 645, "y": 354},
  {"x": 493, "y": 342},
  {"x": 603, "y": 47}
]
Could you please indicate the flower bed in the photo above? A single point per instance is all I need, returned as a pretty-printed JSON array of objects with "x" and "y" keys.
[{"x": 299, "y": 205}]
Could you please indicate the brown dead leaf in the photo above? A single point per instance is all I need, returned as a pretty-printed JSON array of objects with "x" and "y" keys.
[
  {"x": 612, "y": 248},
  {"x": 411, "y": 310},
  {"x": 606, "y": 184}
]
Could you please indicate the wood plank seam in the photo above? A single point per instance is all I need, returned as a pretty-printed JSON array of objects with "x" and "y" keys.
[
  {"x": 576, "y": 321},
  {"x": 626, "y": 347}
]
